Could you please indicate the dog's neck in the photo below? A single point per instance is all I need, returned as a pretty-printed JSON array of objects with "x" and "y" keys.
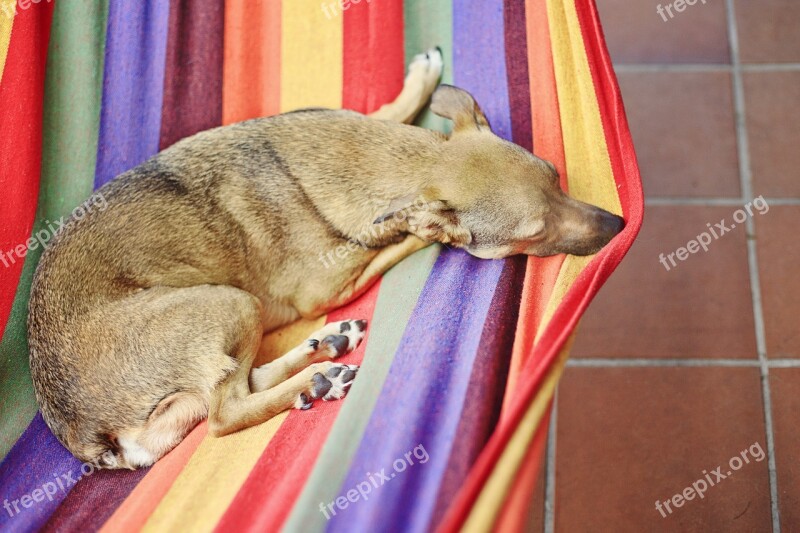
[{"x": 373, "y": 213}]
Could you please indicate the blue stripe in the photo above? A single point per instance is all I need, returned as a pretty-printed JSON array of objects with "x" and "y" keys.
[{"x": 133, "y": 85}]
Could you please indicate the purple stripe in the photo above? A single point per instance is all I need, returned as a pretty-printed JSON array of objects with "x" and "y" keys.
[
  {"x": 479, "y": 59},
  {"x": 133, "y": 85},
  {"x": 425, "y": 400},
  {"x": 422, "y": 400},
  {"x": 37, "y": 467},
  {"x": 487, "y": 384},
  {"x": 487, "y": 34}
]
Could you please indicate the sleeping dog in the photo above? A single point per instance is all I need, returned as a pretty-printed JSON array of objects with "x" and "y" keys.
[{"x": 146, "y": 316}]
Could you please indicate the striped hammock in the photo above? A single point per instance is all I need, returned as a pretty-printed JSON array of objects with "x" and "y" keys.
[{"x": 445, "y": 426}]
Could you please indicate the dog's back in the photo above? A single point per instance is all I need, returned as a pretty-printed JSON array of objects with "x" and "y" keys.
[{"x": 228, "y": 207}]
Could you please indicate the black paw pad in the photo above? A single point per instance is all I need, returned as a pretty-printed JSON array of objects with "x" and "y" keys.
[
  {"x": 361, "y": 324},
  {"x": 338, "y": 342},
  {"x": 335, "y": 371},
  {"x": 348, "y": 375},
  {"x": 344, "y": 327},
  {"x": 306, "y": 401},
  {"x": 321, "y": 385}
]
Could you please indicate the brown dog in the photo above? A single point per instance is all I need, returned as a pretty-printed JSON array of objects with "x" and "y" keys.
[{"x": 146, "y": 316}]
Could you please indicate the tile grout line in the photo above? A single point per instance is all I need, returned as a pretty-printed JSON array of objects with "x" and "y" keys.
[
  {"x": 550, "y": 471},
  {"x": 715, "y": 202},
  {"x": 611, "y": 362},
  {"x": 705, "y": 67},
  {"x": 746, "y": 178}
]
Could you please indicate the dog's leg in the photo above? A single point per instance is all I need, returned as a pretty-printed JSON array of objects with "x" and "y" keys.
[
  {"x": 311, "y": 305},
  {"x": 423, "y": 77},
  {"x": 232, "y": 409},
  {"x": 332, "y": 341}
]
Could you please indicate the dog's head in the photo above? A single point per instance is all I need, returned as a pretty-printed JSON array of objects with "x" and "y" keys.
[{"x": 495, "y": 199}]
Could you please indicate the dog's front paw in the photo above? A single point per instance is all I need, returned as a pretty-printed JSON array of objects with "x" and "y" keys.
[
  {"x": 338, "y": 338},
  {"x": 332, "y": 384},
  {"x": 427, "y": 67}
]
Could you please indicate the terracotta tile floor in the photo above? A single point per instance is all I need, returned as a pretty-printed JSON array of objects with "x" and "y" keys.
[{"x": 682, "y": 368}]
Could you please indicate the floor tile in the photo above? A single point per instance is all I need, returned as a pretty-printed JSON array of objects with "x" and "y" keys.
[
  {"x": 768, "y": 30},
  {"x": 778, "y": 260},
  {"x": 785, "y": 386},
  {"x": 700, "y": 308},
  {"x": 628, "y": 437},
  {"x": 636, "y": 33},
  {"x": 773, "y": 115},
  {"x": 684, "y": 132}
]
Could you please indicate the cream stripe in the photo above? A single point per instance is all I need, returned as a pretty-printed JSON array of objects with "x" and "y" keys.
[
  {"x": 6, "y": 22},
  {"x": 311, "y": 56}
]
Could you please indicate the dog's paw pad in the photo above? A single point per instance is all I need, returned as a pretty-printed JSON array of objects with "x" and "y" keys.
[
  {"x": 340, "y": 378},
  {"x": 338, "y": 338},
  {"x": 303, "y": 402},
  {"x": 332, "y": 385},
  {"x": 336, "y": 345}
]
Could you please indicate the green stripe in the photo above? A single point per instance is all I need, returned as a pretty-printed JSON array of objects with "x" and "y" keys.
[
  {"x": 426, "y": 26},
  {"x": 73, "y": 92},
  {"x": 398, "y": 295}
]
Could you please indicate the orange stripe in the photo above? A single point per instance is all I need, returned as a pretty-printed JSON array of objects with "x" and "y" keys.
[
  {"x": 251, "y": 84},
  {"x": 541, "y": 273}
]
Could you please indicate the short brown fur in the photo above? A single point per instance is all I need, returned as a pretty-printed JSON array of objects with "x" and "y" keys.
[{"x": 146, "y": 316}]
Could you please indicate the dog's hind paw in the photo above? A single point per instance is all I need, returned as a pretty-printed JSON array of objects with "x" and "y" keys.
[
  {"x": 338, "y": 338},
  {"x": 333, "y": 384},
  {"x": 427, "y": 68}
]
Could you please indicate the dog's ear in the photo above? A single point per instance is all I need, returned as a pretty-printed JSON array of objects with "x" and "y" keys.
[
  {"x": 460, "y": 107},
  {"x": 433, "y": 221}
]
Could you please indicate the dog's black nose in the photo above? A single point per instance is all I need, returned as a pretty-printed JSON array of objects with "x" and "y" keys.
[{"x": 612, "y": 224}]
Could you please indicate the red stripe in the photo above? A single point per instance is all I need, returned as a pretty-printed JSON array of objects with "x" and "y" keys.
[
  {"x": 373, "y": 54},
  {"x": 575, "y": 302},
  {"x": 266, "y": 497},
  {"x": 21, "y": 98}
]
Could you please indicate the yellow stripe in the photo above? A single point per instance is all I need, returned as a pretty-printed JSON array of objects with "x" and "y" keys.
[
  {"x": 311, "y": 56},
  {"x": 205, "y": 488},
  {"x": 591, "y": 179},
  {"x": 494, "y": 492},
  {"x": 6, "y": 21}
]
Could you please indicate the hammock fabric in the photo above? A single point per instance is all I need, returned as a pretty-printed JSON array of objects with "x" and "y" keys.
[{"x": 462, "y": 356}]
